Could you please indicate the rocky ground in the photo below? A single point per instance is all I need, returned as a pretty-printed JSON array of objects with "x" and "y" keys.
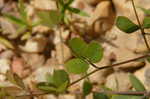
[{"x": 42, "y": 54}]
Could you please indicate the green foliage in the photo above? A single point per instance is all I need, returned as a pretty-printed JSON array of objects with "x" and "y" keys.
[
  {"x": 6, "y": 42},
  {"x": 77, "y": 45},
  {"x": 56, "y": 83},
  {"x": 77, "y": 11},
  {"x": 22, "y": 10},
  {"x": 136, "y": 83},
  {"x": 93, "y": 52},
  {"x": 85, "y": 54},
  {"x": 15, "y": 79},
  {"x": 125, "y": 97},
  {"x": 87, "y": 87},
  {"x": 148, "y": 59},
  {"x": 60, "y": 77},
  {"x": 126, "y": 25},
  {"x": 146, "y": 11},
  {"x": 97, "y": 95},
  {"x": 23, "y": 22},
  {"x": 146, "y": 22},
  {"x": 46, "y": 87},
  {"x": 76, "y": 66},
  {"x": 15, "y": 20},
  {"x": 65, "y": 6},
  {"x": 2, "y": 93},
  {"x": 49, "y": 78},
  {"x": 49, "y": 18}
]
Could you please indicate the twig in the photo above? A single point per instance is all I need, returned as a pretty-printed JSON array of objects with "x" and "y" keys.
[
  {"x": 139, "y": 93},
  {"x": 108, "y": 66},
  {"x": 33, "y": 94},
  {"x": 141, "y": 28},
  {"x": 147, "y": 33},
  {"x": 62, "y": 42}
]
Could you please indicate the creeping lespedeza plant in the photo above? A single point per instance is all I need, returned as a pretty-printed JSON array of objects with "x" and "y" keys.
[{"x": 85, "y": 55}]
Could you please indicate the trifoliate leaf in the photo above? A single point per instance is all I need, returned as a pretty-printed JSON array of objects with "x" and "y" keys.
[{"x": 87, "y": 88}]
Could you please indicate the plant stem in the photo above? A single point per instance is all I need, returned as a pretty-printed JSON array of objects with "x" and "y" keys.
[
  {"x": 147, "y": 33},
  {"x": 61, "y": 42},
  {"x": 33, "y": 94},
  {"x": 139, "y": 93},
  {"x": 108, "y": 66},
  {"x": 141, "y": 28}
]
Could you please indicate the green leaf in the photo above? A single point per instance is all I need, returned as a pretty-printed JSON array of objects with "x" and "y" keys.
[
  {"x": 7, "y": 43},
  {"x": 49, "y": 18},
  {"x": 94, "y": 52},
  {"x": 146, "y": 22},
  {"x": 76, "y": 66},
  {"x": 49, "y": 78},
  {"x": 87, "y": 88},
  {"x": 78, "y": 11},
  {"x": 125, "y": 97},
  {"x": 69, "y": 2},
  {"x": 104, "y": 88},
  {"x": 136, "y": 83},
  {"x": 46, "y": 87},
  {"x": 97, "y": 95},
  {"x": 19, "y": 81},
  {"x": 126, "y": 25},
  {"x": 2, "y": 93},
  {"x": 148, "y": 59},
  {"x": 10, "y": 77},
  {"x": 26, "y": 36},
  {"x": 63, "y": 87},
  {"x": 15, "y": 79},
  {"x": 56, "y": 83},
  {"x": 77, "y": 45},
  {"x": 61, "y": 2},
  {"x": 22, "y": 11},
  {"x": 146, "y": 11},
  {"x": 36, "y": 23},
  {"x": 60, "y": 77},
  {"x": 15, "y": 20},
  {"x": 52, "y": 88}
]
